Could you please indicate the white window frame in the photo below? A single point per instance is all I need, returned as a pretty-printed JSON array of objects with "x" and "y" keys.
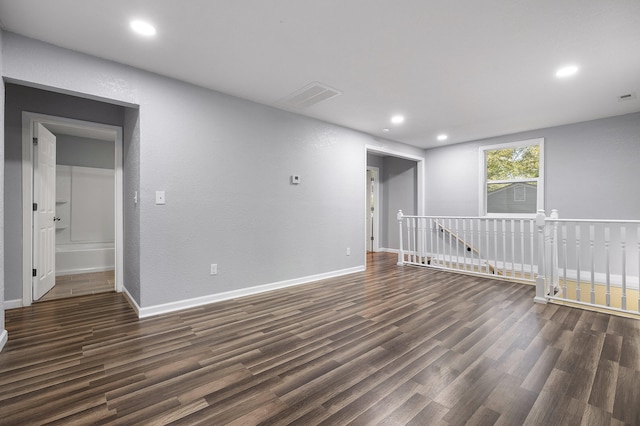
[{"x": 483, "y": 177}]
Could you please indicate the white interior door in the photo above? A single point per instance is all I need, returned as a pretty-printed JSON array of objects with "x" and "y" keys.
[
  {"x": 372, "y": 209},
  {"x": 44, "y": 221}
]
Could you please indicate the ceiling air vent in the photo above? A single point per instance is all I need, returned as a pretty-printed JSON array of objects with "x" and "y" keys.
[
  {"x": 309, "y": 95},
  {"x": 627, "y": 96}
]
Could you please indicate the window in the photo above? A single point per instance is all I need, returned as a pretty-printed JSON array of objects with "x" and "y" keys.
[{"x": 512, "y": 178}]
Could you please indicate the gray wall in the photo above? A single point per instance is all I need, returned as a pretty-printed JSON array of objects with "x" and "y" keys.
[
  {"x": 18, "y": 99},
  {"x": 2, "y": 298},
  {"x": 85, "y": 152},
  {"x": 590, "y": 170},
  {"x": 399, "y": 193},
  {"x": 131, "y": 183},
  {"x": 225, "y": 165}
]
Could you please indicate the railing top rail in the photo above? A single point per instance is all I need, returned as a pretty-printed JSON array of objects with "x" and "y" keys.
[
  {"x": 616, "y": 221},
  {"x": 470, "y": 217}
]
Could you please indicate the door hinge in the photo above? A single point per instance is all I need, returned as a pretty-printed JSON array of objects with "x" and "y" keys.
[
  {"x": 35, "y": 141},
  {"x": 35, "y": 207},
  {"x": 34, "y": 273}
]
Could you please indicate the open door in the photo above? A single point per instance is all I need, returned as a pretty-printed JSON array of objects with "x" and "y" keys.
[
  {"x": 373, "y": 199},
  {"x": 44, "y": 220}
]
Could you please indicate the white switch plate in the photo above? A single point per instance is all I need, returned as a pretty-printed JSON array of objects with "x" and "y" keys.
[
  {"x": 348, "y": 251},
  {"x": 160, "y": 197},
  {"x": 214, "y": 269}
]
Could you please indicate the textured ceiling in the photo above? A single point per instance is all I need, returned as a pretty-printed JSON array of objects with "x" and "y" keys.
[{"x": 471, "y": 69}]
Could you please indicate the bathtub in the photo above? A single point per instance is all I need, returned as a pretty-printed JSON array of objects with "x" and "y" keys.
[{"x": 80, "y": 258}]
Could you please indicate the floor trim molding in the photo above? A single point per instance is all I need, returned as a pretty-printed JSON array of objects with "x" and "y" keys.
[
  {"x": 13, "y": 304},
  {"x": 219, "y": 297}
]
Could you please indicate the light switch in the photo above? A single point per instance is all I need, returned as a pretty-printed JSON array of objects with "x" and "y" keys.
[
  {"x": 160, "y": 197},
  {"x": 295, "y": 179}
]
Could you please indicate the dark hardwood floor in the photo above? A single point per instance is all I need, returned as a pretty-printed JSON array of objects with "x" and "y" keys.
[{"x": 393, "y": 346}]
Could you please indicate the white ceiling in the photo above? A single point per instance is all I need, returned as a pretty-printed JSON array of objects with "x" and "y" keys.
[{"x": 472, "y": 69}]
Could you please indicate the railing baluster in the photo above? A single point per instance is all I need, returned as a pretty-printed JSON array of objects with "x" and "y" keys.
[
  {"x": 471, "y": 231},
  {"x": 495, "y": 246},
  {"x": 623, "y": 244},
  {"x": 578, "y": 295},
  {"x": 513, "y": 248},
  {"x": 408, "y": 239},
  {"x": 487, "y": 241},
  {"x": 592, "y": 237},
  {"x": 450, "y": 244},
  {"x": 638, "y": 244},
  {"x": 401, "y": 250},
  {"x": 457, "y": 246},
  {"x": 522, "y": 248},
  {"x": 607, "y": 269},
  {"x": 464, "y": 246},
  {"x": 532, "y": 253},
  {"x": 504, "y": 247},
  {"x": 564, "y": 260},
  {"x": 432, "y": 251}
]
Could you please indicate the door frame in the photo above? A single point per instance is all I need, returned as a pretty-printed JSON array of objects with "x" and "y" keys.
[
  {"x": 28, "y": 120},
  {"x": 376, "y": 211},
  {"x": 420, "y": 179}
]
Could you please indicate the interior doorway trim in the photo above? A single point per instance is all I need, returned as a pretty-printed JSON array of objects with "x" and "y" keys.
[
  {"x": 376, "y": 213},
  {"x": 420, "y": 184},
  {"x": 28, "y": 120}
]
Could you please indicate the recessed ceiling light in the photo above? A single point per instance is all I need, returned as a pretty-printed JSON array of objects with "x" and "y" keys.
[
  {"x": 442, "y": 137},
  {"x": 385, "y": 130},
  {"x": 566, "y": 71},
  {"x": 397, "y": 119},
  {"x": 143, "y": 28}
]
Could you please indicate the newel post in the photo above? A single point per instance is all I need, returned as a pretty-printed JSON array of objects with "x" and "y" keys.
[
  {"x": 540, "y": 278},
  {"x": 400, "y": 251}
]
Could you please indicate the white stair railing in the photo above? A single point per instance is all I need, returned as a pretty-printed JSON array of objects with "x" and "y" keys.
[
  {"x": 485, "y": 246},
  {"x": 578, "y": 261}
]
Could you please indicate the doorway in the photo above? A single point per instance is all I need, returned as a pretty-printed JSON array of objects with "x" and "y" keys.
[
  {"x": 372, "y": 209},
  {"x": 400, "y": 185},
  {"x": 84, "y": 241}
]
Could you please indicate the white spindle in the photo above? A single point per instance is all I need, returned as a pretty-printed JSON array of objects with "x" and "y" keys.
[
  {"x": 607, "y": 239},
  {"x": 450, "y": 245},
  {"x": 495, "y": 246},
  {"x": 437, "y": 254},
  {"x": 432, "y": 224},
  {"x": 623, "y": 244},
  {"x": 487, "y": 244},
  {"x": 564, "y": 260},
  {"x": 522, "y": 249},
  {"x": 578, "y": 295},
  {"x": 464, "y": 245},
  {"x": 531, "y": 242},
  {"x": 409, "y": 240},
  {"x": 457, "y": 245},
  {"x": 513, "y": 248},
  {"x": 592, "y": 237},
  {"x": 401, "y": 250},
  {"x": 504, "y": 246},
  {"x": 638, "y": 243}
]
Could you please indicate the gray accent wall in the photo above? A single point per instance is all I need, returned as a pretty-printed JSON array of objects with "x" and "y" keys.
[
  {"x": 591, "y": 170},
  {"x": 131, "y": 183},
  {"x": 399, "y": 193},
  {"x": 19, "y": 99},
  {"x": 2, "y": 263},
  {"x": 224, "y": 164},
  {"x": 85, "y": 152}
]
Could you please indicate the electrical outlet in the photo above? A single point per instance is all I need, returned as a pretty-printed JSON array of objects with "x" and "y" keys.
[
  {"x": 214, "y": 269},
  {"x": 348, "y": 251}
]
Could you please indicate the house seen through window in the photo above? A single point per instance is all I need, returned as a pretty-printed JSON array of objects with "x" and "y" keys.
[{"x": 512, "y": 178}]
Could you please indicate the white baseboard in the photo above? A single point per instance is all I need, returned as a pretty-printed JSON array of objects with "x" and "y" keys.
[
  {"x": 13, "y": 304},
  {"x": 234, "y": 294},
  {"x": 389, "y": 250},
  {"x": 4, "y": 337},
  {"x": 131, "y": 301},
  {"x": 63, "y": 272}
]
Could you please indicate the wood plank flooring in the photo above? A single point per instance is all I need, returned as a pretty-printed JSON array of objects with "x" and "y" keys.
[
  {"x": 393, "y": 346},
  {"x": 80, "y": 285}
]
